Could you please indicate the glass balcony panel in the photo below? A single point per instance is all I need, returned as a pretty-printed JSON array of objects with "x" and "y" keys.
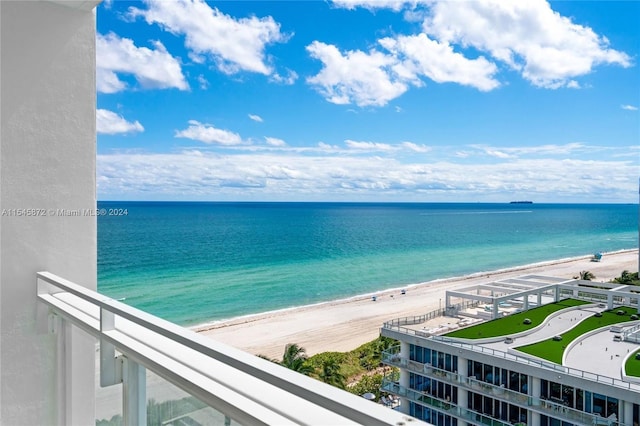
[{"x": 168, "y": 405}]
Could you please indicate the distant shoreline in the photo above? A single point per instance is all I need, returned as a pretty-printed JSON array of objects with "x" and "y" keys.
[
  {"x": 367, "y": 296},
  {"x": 356, "y": 320}
]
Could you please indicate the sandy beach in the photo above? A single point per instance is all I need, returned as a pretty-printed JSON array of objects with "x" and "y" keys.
[{"x": 343, "y": 325}]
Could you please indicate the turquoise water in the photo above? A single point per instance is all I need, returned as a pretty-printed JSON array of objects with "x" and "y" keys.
[{"x": 197, "y": 262}]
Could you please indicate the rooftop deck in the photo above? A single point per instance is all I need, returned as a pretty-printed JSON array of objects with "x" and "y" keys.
[{"x": 594, "y": 353}]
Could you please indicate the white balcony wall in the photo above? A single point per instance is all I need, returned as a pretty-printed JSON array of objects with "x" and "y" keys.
[{"x": 47, "y": 164}]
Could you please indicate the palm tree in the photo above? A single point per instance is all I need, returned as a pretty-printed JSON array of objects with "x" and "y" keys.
[
  {"x": 586, "y": 275},
  {"x": 626, "y": 277},
  {"x": 331, "y": 374},
  {"x": 294, "y": 358}
]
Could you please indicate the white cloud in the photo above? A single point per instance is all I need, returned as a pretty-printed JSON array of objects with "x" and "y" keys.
[
  {"x": 366, "y": 146},
  {"x": 366, "y": 79},
  {"x": 232, "y": 44},
  {"x": 369, "y": 146},
  {"x": 152, "y": 68},
  {"x": 629, "y": 107},
  {"x": 325, "y": 147},
  {"x": 268, "y": 175},
  {"x": 415, "y": 147},
  {"x": 208, "y": 134},
  {"x": 110, "y": 123},
  {"x": 255, "y": 117},
  {"x": 395, "y": 5},
  {"x": 421, "y": 56},
  {"x": 374, "y": 78},
  {"x": 288, "y": 79},
  {"x": 538, "y": 150},
  {"x": 275, "y": 141},
  {"x": 204, "y": 83},
  {"x": 548, "y": 49}
]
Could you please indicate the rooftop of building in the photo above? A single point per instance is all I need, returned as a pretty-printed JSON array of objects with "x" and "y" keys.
[{"x": 599, "y": 346}]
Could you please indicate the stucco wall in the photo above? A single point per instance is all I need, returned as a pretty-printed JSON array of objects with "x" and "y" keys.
[{"x": 47, "y": 162}]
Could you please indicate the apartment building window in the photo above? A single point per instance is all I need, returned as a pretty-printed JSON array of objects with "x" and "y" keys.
[
  {"x": 579, "y": 399},
  {"x": 498, "y": 376},
  {"x": 441, "y": 360},
  {"x": 497, "y": 409},
  {"x": 431, "y": 416}
]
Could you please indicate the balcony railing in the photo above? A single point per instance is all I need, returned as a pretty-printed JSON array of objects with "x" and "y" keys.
[
  {"x": 538, "y": 404},
  {"x": 441, "y": 405},
  {"x": 219, "y": 383},
  {"x": 632, "y": 334}
]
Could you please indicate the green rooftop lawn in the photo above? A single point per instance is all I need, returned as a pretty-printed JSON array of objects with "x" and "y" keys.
[
  {"x": 514, "y": 323},
  {"x": 632, "y": 366},
  {"x": 552, "y": 350}
]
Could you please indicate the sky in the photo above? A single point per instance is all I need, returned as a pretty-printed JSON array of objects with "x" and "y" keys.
[{"x": 368, "y": 100}]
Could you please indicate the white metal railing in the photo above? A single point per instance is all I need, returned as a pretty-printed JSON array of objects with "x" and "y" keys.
[
  {"x": 245, "y": 388},
  {"x": 444, "y": 406},
  {"x": 632, "y": 334}
]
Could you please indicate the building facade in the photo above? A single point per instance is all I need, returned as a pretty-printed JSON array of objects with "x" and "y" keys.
[{"x": 458, "y": 381}]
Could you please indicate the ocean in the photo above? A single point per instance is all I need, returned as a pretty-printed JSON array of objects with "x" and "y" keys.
[{"x": 199, "y": 262}]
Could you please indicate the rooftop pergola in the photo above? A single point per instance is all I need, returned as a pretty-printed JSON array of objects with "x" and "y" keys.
[{"x": 521, "y": 288}]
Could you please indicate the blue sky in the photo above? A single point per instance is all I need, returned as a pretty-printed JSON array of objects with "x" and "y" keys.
[{"x": 361, "y": 100}]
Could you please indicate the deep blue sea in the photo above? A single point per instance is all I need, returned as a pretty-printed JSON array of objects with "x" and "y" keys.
[{"x": 193, "y": 263}]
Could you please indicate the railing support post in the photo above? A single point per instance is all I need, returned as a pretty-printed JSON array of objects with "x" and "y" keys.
[
  {"x": 134, "y": 393},
  {"x": 110, "y": 371}
]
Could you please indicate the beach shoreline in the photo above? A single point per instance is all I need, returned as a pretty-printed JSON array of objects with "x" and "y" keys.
[{"x": 344, "y": 324}]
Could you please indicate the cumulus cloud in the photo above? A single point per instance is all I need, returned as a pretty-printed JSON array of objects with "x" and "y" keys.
[
  {"x": 152, "y": 68},
  {"x": 421, "y": 56},
  {"x": 232, "y": 44},
  {"x": 629, "y": 107},
  {"x": 546, "y": 48},
  {"x": 359, "y": 77},
  {"x": 111, "y": 123},
  {"x": 209, "y": 134},
  {"x": 374, "y": 78},
  {"x": 255, "y": 117}
]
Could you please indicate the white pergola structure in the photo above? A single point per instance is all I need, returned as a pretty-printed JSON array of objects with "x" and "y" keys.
[{"x": 521, "y": 290}]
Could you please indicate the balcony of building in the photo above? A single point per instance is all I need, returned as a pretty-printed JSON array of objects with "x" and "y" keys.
[
  {"x": 442, "y": 405},
  {"x": 148, "y": 367}
]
